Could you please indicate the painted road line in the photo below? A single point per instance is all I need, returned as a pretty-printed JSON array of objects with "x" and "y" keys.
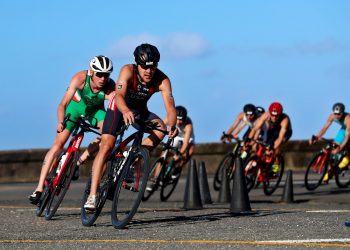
[{"x": 305, "y": 243}]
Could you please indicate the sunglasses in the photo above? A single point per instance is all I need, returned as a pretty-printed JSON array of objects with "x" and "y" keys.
[
  {"x": 100, "y": 75},
  {"x": 152, "y": 67}
]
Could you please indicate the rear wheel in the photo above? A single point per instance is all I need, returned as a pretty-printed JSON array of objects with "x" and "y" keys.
[
  {"x": 274, "y": 176},
  {"x": 153, "y": 180},
  {"x": 61, "y": 187},
  {"x": 89, "y": 218},
  {"x": 342, "y": 175},
  {"x": 130, "y": 188},
  {"x": 226, "y": 162},
  {"x": 315, "y": 171},
  {"x": 251, "y": 171},
  {"x": 169, "y": 181}
]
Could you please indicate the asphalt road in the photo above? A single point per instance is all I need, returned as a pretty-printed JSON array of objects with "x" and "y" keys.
[{"x": 315, "y": 221}]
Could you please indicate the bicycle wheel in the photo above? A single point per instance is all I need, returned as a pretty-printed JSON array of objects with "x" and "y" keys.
[
  {"x": 315, "y": 171},
  {"x": 130, "y": 187},
  {"x": 251, "y": 171},
  {"x": 61, "y": 187},
  {"x": 153, "y": 181},
  {"x": 273, "y": 176},
  {"x": 46, "y": 193},
  {"x": 342, "y": 177},
  {"x": 226, "y": 162},
  {"x": 169, "y": 183},
  {"x": 89, "y": 218}
]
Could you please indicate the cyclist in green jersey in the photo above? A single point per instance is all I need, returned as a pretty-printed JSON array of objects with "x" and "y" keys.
[{"x": 87, "y": 91}]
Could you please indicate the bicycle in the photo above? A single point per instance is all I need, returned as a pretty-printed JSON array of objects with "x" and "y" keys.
[
  {"x": 229, "y": 160},
  {"x": 318, "y": 167},
  {"x": 60, "y": 176},
  {"x": 165, "y": 166},
  {"x": 259, "y": 169},
  {"x": 125, "y": 180}
]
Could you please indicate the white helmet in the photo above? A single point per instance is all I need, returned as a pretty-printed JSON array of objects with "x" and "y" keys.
[{"x": 101, "y": 64}]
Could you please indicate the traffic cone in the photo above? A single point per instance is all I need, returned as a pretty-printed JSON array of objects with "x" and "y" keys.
[
  {"x": 224, "y": 193},
  {"x": 192, "y": 197},
  {"x": 240, "y": 198},
  {"x": 203, "y": 184},
  {"x": 288, "y": 196}
]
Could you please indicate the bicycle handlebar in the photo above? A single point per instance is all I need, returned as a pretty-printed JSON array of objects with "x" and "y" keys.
[
  {"x": 82, "y": 123},
  {"x": 329, "y": 141}
]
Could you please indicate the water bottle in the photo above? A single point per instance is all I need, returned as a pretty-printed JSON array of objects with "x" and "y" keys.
[{"x": 60, "y": 164}]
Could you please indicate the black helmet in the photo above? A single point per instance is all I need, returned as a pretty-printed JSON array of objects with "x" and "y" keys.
[
  {"x": 259, "y": 110},
  {"x": 146, "y": 55},
  {"x": 181, "y": 112},
  {"x": 249, "y": 109},
  {"x": 338, "y": 108}
]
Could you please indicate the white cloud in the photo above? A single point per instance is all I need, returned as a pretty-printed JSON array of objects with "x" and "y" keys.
[{"x": 174, "y": 45}]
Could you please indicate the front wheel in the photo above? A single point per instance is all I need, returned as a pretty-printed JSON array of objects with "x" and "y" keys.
[
  {"x": 315, "y": 171},
  {"x": 226, "y": 162},
  {"x": 61, "y": 186},
  {"x": 169, "y": 181},
  {"x": 130, "y": 188},
  {"x": 274, "y": 176},
  {"x": 153, "y": 180}
]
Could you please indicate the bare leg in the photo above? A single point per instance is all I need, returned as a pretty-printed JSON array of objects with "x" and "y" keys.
[
  {"x": 51, "y": 156},
  {"x": 99, "y": 164}
]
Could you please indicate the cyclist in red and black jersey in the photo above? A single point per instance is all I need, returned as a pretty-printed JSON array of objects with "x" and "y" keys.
[
  {"x": 278, "y": 127},
  {"x": 134, "y": 87}
]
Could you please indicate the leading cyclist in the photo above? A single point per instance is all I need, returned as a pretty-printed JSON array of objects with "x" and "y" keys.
[
  {"x": 85, "y": 96},
  {"x": 135, "y": 86}
]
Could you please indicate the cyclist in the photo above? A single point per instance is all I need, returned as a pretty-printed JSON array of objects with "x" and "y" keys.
[
  {"x": 247, "y": 117},
  {"x": 342, "y": 138},
  {"x": 184, "y": 140},
  {"x": 278, "y": 130},
  {"x": 85, "y": 95},
  {"x": 135, "y": 85}
]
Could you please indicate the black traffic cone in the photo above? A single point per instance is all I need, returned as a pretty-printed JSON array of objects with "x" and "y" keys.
[
  {"x": 224, "y": 192},
  {"x": 203, "y": 184},
  {"x": 288, "y": 195},
  {"x": 240, "y": 198},
  {"x": 192, "y": 197}
]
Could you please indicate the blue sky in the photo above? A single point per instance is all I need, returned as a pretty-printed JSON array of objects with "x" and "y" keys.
[{"x": 219, "y": 56}]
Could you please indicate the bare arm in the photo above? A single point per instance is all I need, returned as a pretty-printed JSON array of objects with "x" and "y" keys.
[
  {"x": 258, "y": 124},
  {"x": 77, "y": 82},
  {"x": 326, "y": 126},
  {"x": 123, "y": 81},
  {"x": 169, "y": 103},
  {"x": 186, "y": 141},
  {"x": 284, "y": 126},
  {"x": 239, "y": 121}
]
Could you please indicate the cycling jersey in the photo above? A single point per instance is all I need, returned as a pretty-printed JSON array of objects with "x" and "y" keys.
[
  {"x": 87, "y": 103},
  {"x": 274, "y": 128},
  {"x": 136, "y": 99},
  {"x": 181, "y": 134},
  {"x": 341, "y": 133}
]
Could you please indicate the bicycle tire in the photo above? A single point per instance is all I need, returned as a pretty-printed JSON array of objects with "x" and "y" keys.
[
  {"x": 168, "y": 184},
  {"x": 150, "y": 182},
  {"x": 342, "y": 176},
  {"x": 226, "y": 161},
  {"x": 127, "y": 196},
  {"x": 251, "y": 172},
  {"x": 314, "y": 173},
  {"x": 273, "y": 179},
  {"x": 61, "y": 187},
  {"x": 87, "y": 218},
  {"x": 46, "y": 194}
]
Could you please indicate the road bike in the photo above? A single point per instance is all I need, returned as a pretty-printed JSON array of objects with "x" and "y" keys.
[
  {"x": 162, "y": 173},
  {"x": 125, "y": 179},
  {"x": 324, "y": 161},
  {"x": 264, "y": 168},
  {"x": 60, "y": 176},
  {"x": 228, "y": 161}
]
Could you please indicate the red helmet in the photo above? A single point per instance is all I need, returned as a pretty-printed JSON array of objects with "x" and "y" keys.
[{"x": 275, "y": 108}]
